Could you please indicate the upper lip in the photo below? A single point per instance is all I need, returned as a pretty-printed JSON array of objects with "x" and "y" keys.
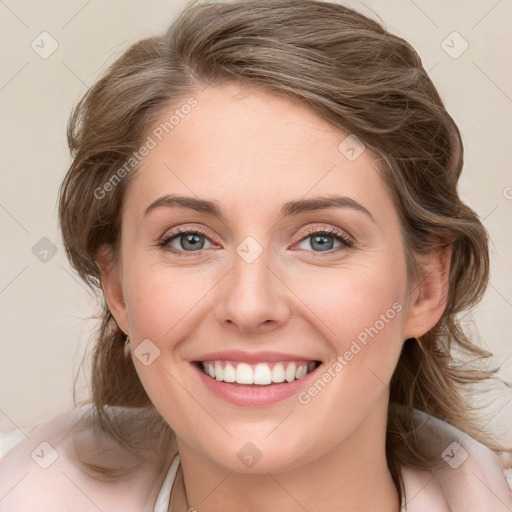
[{"x": 252, "y": 357}]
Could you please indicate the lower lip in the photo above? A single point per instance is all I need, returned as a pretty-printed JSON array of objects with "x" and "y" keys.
[{"x": 254, "y": 395}]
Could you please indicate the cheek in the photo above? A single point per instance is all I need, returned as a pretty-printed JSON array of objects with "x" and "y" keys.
[
  {"x": 349, "y": 299},
  {"x": 158, "y": 298},
  {"x": 360, "y": 310},
  {"x": 362, "y": 320}
]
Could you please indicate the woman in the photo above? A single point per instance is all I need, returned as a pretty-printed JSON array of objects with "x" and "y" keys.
[{"x": 267, "y": 199}]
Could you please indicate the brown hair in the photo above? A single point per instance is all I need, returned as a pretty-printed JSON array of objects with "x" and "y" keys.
[{"x": 356, "y": 75}]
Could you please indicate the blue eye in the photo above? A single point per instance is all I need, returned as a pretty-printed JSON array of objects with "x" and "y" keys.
[
  {"x": 323, "y": 241},
  {"x": 190, "y": 240}
]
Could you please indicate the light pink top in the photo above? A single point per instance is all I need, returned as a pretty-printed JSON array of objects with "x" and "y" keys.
[{"x": 471, "y": 480}]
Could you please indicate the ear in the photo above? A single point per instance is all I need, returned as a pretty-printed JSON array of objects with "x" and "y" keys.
[
  {"x": 428, "y": 298},
  {"x": 112, "y": 286}
]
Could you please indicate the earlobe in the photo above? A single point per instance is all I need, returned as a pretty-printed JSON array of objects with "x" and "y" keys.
[
  {"x": 429, "y": 300},
  {"x": 112, "y": 286}
]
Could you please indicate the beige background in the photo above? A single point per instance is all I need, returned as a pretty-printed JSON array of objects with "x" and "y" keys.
[{"x": 46, "y": 313}]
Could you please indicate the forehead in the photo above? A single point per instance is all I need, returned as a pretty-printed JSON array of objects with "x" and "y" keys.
[{"x": 241, "y": 144}]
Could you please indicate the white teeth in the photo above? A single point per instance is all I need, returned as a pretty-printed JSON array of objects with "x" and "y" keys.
[
  {"x": 244, "y": 374},
  {"x": 278, "y": 373},
  {"x": 301, "y": 371},
  {"x": 219, "y": 372},
  {"x": 291, "y": 371},
  {"x": 260, "y": 374},
  {"x": 229, "y": 373}
]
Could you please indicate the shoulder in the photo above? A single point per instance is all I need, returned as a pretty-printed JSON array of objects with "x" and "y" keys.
[
  {"x": 470, "y": 476},
  {"x": 41, "y": 472}
]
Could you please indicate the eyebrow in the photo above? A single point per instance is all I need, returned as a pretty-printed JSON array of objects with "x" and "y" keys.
[{"x": 289, "y": 209}]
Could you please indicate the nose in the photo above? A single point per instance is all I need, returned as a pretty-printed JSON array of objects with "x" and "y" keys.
[{"x": 253, "y": 297}]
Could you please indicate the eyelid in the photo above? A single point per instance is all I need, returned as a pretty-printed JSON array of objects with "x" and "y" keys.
[
  {"x": 180, "y": 230},
  {"x": 310, "y": 230}
]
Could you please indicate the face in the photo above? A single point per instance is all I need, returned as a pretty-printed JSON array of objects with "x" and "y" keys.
[{"x": 263, "y": 278}]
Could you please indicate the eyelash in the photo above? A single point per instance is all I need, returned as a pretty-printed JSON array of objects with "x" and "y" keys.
[{"x": 346, "y": 242}]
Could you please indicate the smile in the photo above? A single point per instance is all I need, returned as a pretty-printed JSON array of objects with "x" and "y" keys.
[{"x": 260, "y": 374}]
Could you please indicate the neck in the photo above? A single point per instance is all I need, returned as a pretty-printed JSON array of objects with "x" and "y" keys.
[{"x": 354, "y": 474}]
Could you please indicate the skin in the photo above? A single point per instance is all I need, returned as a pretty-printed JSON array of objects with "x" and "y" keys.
[{"x": 251, "y": 152}]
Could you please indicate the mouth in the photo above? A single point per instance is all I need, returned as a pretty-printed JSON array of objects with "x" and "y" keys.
[{"x": 239, "y": 373}]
